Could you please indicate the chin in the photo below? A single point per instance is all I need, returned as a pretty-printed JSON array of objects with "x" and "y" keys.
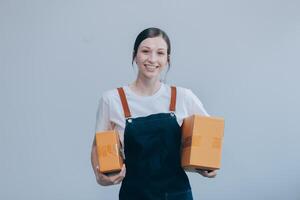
[{"x": 151, "y": 76}]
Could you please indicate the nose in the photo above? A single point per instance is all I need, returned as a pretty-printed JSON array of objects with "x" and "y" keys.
[{"x": 152, "y": 57}]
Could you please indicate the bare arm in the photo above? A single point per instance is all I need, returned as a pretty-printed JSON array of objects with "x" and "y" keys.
[{"x": 101, "y": 178}]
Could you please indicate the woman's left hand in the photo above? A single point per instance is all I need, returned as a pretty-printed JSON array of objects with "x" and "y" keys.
[{"x": 207, "y": 173}]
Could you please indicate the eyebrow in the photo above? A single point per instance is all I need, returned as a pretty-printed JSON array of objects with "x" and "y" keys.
[{"x": 150, "y": 48}]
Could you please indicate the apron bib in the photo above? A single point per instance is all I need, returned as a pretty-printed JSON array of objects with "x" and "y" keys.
[{"x": 152, "y": 152}]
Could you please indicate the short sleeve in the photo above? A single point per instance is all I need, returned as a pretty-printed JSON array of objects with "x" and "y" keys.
[
  {"x": 194, "y": 105},
  {"x": 102, "y": 117}
]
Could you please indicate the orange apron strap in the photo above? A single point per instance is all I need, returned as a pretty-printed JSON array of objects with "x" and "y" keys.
[
  {"x": 173, "y": 99},
  {"x": 124, "y": 102}
]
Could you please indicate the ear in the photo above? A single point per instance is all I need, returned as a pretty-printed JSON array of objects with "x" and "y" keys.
[{"x": 133, "y": 56}]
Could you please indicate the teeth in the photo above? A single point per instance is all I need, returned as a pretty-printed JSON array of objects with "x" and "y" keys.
[{"x": 150, "y": 66}]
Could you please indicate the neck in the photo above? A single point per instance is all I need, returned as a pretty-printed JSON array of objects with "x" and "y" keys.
[{"x": 145, "y": 87}]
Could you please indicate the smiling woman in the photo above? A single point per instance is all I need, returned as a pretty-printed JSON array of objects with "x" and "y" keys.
[
  {"x": 147, "y": 115},
  {"x": 151, "y": 53},
  {"x": 151, "y": 57}
]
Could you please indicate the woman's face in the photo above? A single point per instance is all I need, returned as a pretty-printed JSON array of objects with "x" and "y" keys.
[{"x": 151, "y": 57}]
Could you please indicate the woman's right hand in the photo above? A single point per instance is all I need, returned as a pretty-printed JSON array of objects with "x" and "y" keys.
[
  {"x": 106, "y": 180},
  {"x": 101, "y": 178}
]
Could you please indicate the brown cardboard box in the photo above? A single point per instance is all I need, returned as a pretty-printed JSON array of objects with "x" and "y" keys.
[
  {"x": 202, "y": 139},
  {"x": 108, "y": 150}
]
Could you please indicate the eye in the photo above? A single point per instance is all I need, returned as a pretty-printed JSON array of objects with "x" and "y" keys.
[
  {"x": 145, "y": 51},
  {"x": 161, "y": 53}
]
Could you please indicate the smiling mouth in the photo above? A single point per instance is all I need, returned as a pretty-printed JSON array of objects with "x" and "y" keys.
[{"x": 151, "y": 67}]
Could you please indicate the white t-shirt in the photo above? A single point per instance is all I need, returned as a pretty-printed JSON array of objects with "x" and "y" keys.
[{"x": 110, "y": 114}]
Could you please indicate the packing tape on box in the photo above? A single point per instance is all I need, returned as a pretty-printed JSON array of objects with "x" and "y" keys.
[
  {"x": 195, "y": 141},
  {"x": 108, "y": 150}
]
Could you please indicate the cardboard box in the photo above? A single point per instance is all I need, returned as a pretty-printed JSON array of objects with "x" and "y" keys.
[
  {"x": 202, "y": 139},
  {"x": 108, "y": 150}
]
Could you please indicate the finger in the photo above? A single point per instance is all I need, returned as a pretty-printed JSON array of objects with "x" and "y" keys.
[
  {"x": 199, "y": 170},
  {"x": 202, "y": 172},
  {"x": 123, "y": 168},
  {"x": 99, "y": 173},
  {"x": 121, "y": 178},
  {"x": 123, "y": 171},
  {"x": 117, "y": 179},
  {"x": 212, "y": 174},
  {"x": 104, "y": 177},
  {"x": 122, "y": 174},
  {"x": 117, "y": 182}
]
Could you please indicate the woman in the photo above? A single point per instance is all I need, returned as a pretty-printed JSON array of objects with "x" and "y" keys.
[{"x": 148, "y": 114}]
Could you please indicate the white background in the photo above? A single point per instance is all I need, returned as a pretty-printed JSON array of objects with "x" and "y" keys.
[{"x": 241, "y": 58}]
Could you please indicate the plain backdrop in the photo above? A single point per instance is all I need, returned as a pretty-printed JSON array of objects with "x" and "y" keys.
[{"x": 240, "y": 57}]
